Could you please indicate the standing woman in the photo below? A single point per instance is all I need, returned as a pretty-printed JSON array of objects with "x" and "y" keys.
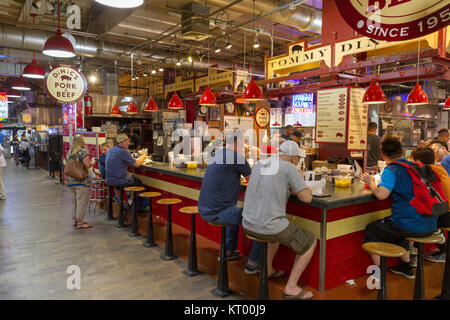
[
  {"x": 79, "y": 188},
  {"x": 2, "y": 165}
]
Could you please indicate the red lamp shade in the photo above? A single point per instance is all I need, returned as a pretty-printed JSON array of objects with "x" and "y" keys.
[
  {"x": 13, "y": 93},
  {"x": 151, "y": 105},
  {"x": 20, "y": 84},
  {"x": 116, "y": 111},
  {"x": 175, "y": 102},
  {"x": 374, "y": 94},
  {"x": 253, "y": 92},
  {"x": 417, "y": 96},
  {"x": 132, "y": 108},
  {"x": 58, "y": 46},
  {"x": 34, "y": 71},
  {"x": 447, "y": 104},
  {"x": 208, "y": 98}
]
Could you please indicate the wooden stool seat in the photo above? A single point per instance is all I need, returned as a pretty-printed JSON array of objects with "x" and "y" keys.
[
  {"x": 149, "y": 194},
  {"x": 430, "y": 239},
  {"x": 384, "y": 249},
  {"x": 134, "y": 189},
  {"x": 168, "y": 201},
  {"x": 220, "y": 224},
  {"x": 445, "y": 228},
  {"x": 189, "y": 210},
  {"x": 258, "y": 239}
]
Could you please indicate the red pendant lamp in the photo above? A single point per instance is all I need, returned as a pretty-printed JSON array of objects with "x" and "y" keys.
[
  {"x": 20, "y": 84},
  {"x": 374, "y": 94},
  {"x": 417, "y": 96},
  {"x": 447, "y": 104},
  {"x": 13, "y": 93},
  {"x": 208, "y": 98},
  {"x": 175, "y": 102},
  {"x": 57, "y": 45},
  {"x": 253, "y": 92},
  {"x": 132, "y": 108},
  {"x": 33, "y": 70},
  {"x": 116, "y": 111},
  {"x": 151, "y": 105}
]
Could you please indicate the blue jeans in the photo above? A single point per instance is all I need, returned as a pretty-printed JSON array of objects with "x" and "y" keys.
[{"x": 233, "y": 215}]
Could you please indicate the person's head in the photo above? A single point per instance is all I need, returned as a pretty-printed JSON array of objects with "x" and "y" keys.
[
  {"x": 105, "y": 147},
  {"x": 77, "y": 144},
  {"x": 289, "y": 130},
  {"x": 291, "y": 152},
  {"x": 128, "y": 131},
  {"x": 440, "y": 149},
  {"x": 391, "y": 149},
  {"x": 443, "y": 135},
  {"x": 372, "y": 128},
  {"x": 123, "y": 141},
  {"x": 423, "y": 155},
  {"x": 234, "y": 139},
  {"x": 296, "y": 136}
]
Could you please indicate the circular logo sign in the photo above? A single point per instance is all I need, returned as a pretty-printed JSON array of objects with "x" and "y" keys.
[
  {"x": 65, "y": 84},
  {"x": 395, "y": 20},
  {"x": 262, "y": 117}
]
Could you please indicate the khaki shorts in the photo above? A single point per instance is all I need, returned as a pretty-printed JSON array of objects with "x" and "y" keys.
[{"x": 293, "y": 236}]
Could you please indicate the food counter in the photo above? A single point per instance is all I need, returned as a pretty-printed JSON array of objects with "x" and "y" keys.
[{"x": 338, "y": 222}]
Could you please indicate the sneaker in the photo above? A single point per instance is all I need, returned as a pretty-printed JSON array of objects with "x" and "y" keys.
[
  {"x": 436, "y": 257},
  {"x": 116, "y": 199},
  {"x": 404, "y": 270},
  {"x": 413, "y": 251},
  {"x": 232, "y": 255},
  {"x": 413, "y": 261},
  {"x": 439, "y": 233},
  {"x": 249, "y": 269}
]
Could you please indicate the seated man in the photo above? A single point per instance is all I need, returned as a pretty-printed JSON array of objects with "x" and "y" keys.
[
  {"x": 442, "y": 156},
  {"x": 264, "y": 214},
  {"x": 405, "y": 221},
  {"x": 220, "y": 192}
]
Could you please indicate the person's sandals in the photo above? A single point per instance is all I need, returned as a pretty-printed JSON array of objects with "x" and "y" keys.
[
  {"x": 277, "y": 274},
  {"x": 83, "y": 225},
  {"x": 75, "y": 223},
  {"x": 299, "y": 296}
]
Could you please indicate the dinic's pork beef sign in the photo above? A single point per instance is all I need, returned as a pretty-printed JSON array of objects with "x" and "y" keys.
[
  {"x": 395, "y": 20},
  {"x": 65, "y": 84}
]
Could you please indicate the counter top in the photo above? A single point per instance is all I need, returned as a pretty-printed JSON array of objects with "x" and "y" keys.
[{"x": 340, "y": 197}]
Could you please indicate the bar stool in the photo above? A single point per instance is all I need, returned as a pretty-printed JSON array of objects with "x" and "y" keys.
[
  {"x": 445, "y": 292},
  {"x": 384, "y": 250},
  {"x": 168, "y": 250},
  {"x": 97, "y": 192},
  {"x": 134, "y": 222},
  {"x": 222, "y": 289},
  {"x": 263, "y": 292},
  {"x": 419, "y": 287},
  {"x": 192, "y": 269},
  {"x": 121, "y": 222},
  {"x": 150, "y": 241},
  {"x": 110, "y": 215}
]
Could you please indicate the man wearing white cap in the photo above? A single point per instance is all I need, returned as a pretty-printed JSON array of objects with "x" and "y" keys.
[{"x": 264, "y": 214}]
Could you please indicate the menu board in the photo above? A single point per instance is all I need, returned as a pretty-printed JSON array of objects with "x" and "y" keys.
[
  {"x": 357, "y": 120},
  {"x": 331, "y": 115}
]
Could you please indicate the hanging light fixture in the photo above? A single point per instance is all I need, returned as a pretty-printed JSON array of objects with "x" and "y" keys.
[
  {"x": 161, "y": 69},
  {"x": 417, "y": 95},
  {"x": 13, "y": 93},
  {"x": 132, "y": 108},
  {"x": 374, "y": 94},
  {"x": 123, "y": 4},
  {"x": 253, "y": 92},
  {"x": 151, "y": 105},
  {"x": 175, "y": 102},
  {"x": 58, "y": 46},
  {"x": 208, "y": 98},
  {"x": 256, "y": 42},
  {"x": 116, "y": 111},
  {"x": 446, "y": 105},
  {"x": 33, "y": 70},
  {"x": 20, "y": 84}
]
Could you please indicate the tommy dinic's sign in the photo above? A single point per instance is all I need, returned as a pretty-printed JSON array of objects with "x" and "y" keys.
[{"x": 301, "y": 57}]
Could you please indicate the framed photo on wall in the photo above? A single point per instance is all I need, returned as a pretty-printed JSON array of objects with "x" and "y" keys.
[{"x": 214, "y": 114}]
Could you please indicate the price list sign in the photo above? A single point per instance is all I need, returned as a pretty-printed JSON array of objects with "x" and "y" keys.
[
  {"x": 331, "y": 123},
  {"x": 357, "y": 120}
]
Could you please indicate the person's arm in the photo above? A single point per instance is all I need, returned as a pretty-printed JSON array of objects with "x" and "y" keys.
[
  {"x": 305, "y": 195},
  {"x": 384, "y": 189},
  {"x": 298, "y": 186},
  {"x": 140, "y": 161}
]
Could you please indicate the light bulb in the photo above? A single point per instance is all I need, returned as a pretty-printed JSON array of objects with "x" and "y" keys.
[
  {"x": 161, "y": 69},
  {"x": 178, "y": 63},
  {"x": 229, "y": 45},
  {"x": 190, "y": 59},
  {"x": 153, "y": 71},
  {"x": 217, "y": 50}
]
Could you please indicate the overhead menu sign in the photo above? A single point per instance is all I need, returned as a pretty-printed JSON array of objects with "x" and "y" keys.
[
  {"x": 331, "y": 115},
  {"x": 65, "y": 84},
  {"x": 358, "y": 116},
  {"x": 3, "y": 107},
  {"x": 395, "y": 20}
]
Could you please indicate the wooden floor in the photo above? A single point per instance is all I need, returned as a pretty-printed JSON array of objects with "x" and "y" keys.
[{"x": 38, "y": 243}]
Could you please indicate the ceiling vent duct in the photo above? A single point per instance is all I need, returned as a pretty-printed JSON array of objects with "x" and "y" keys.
[{"x": 195, "y": 22}]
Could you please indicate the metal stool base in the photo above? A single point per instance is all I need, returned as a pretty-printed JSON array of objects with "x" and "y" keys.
[
  {"x": 220, "y": 293},
  {"x": 169, "y": 257},
  {"x": 122, "y": 225},
  {"x": 134, "y": 234},
  {"x": 149, "y": 245},
  {"x": 192, "y": 273}
]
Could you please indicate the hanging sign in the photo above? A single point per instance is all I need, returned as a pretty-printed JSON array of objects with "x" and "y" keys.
[
  {"x": 65, "y": 84},
  {"x": 331, "y": 123},
  {"x": 262, "y": 117},
  {"x": 395, "y": 20}
]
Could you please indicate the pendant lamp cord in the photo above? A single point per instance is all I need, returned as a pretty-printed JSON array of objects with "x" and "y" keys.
[
  {"x": 59, "y": 22},
  {"x": 131, "y": 77},
  {"x": 418, "y": 55}
]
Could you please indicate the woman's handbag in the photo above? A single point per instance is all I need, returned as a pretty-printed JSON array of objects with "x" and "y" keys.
[{"x": 75, "y": 169}]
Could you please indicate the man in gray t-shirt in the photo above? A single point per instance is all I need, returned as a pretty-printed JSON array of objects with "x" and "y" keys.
[{"x": 272, "y": 181}]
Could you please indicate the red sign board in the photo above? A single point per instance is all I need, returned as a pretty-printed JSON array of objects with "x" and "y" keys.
[{"x": 395, "y": 20}]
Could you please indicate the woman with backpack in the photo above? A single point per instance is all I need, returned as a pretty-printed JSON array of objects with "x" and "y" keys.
[{"x": 79, "y": 187}]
